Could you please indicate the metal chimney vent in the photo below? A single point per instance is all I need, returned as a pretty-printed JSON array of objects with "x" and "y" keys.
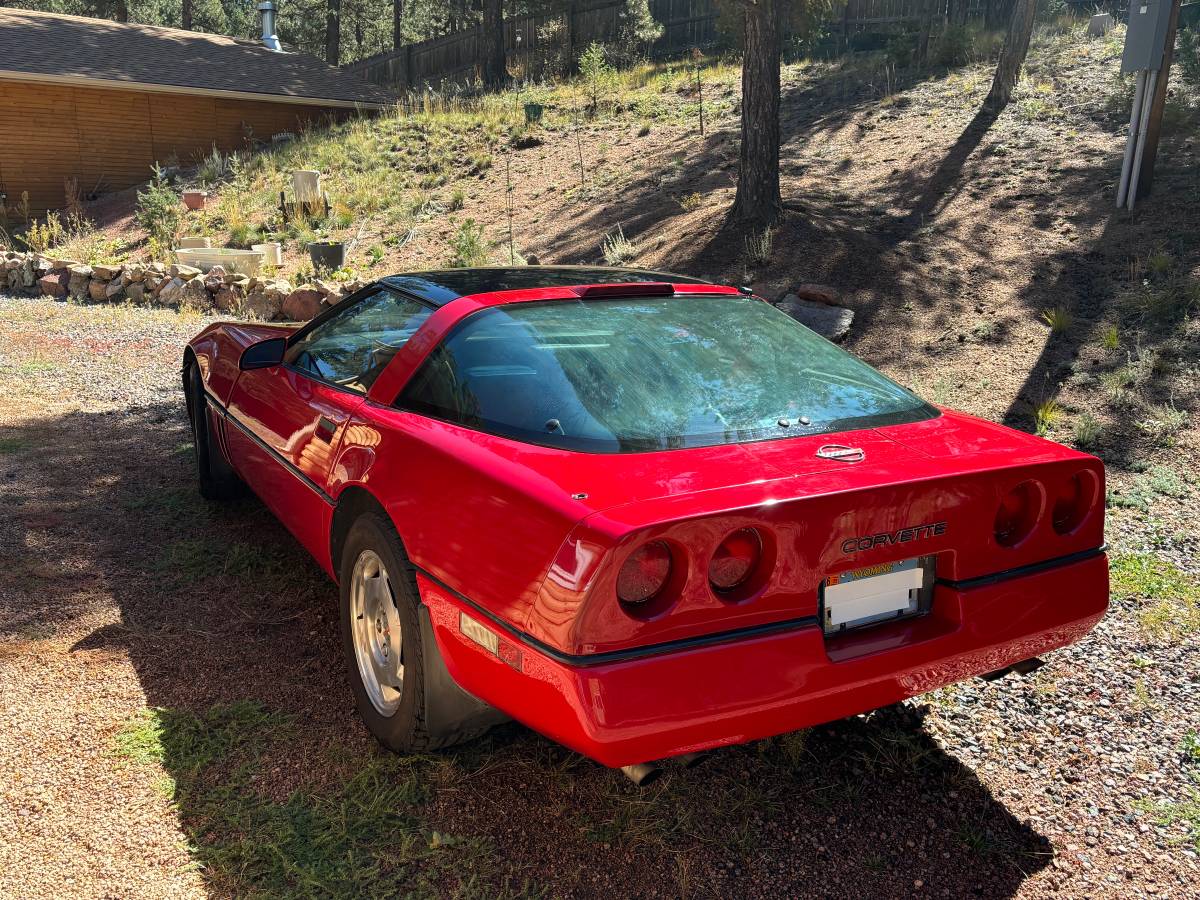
[{"x": 267, "y": 10}]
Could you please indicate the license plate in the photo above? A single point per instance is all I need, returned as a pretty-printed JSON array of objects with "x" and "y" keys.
[{"x": 877, "y": 594}]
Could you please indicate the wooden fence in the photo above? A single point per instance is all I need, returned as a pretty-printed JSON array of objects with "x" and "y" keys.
[{"x": 537, "y": 44}]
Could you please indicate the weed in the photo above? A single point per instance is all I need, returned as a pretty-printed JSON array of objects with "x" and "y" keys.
[
  {"x": 1163, "y": 421},
  {"x": 159, "y": 211},
  {"x": 1087, "y": 431},
  {"x": 1170, "y": 597},
  {"x": 469, "y": 246},
  {"x": 457, "y": 200},
  {"x": 618, "y": 249},
  {"x": 1111, "y": 339},
  {"x": 1047, "y": 414},
  {"x": 691, "y": 201},
  {"x": 1059, "y": 319},
  {"x": 758, "y": 247},
  {"x": 1159, "y": 264},
  {"x": 598, "y": 76}
]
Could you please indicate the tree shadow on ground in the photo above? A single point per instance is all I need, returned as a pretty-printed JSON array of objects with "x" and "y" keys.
[{"x": 279, "y": 790}]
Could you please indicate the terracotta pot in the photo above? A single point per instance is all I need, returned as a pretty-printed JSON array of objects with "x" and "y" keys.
[{"x": 195, "y": 199}]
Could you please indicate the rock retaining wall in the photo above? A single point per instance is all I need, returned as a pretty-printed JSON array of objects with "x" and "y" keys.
[{"x": 172, "y": 286}]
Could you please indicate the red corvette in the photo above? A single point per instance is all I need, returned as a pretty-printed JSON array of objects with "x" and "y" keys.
[{"x": 643, "y": 515}]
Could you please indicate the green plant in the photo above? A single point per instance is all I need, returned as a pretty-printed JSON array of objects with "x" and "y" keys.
[
  {"x": 457, "y": 200},
  {"x": 618, "y": 249},
  {"x": 1170, "y": 597},
  {"x": 598, "y": 76},
  {"x": 160, "y": 212},
  {"x": 758, "y": 246},
  {"x": 41, "y": 236},
  {"x": 1047, "y": 414},
  {"x": 1087, "y": 431},
  {"x": 1111, "y": 339},
  {"x": 469, "y": 246},
  {"x": 1059, "y": 319},
  {"x": 691, "y": 201},
  {"x": 1187, "y": 56}
]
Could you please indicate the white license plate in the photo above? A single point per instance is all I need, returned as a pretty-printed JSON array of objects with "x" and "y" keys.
[{"x": 874, "y": 594}]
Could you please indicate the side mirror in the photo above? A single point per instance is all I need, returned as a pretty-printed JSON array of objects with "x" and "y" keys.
[{"x": 263, "y": 355}]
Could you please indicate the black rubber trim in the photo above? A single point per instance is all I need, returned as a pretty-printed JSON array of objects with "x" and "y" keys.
[
  {"x": 983, "y": 580},
  {"x": 283, "y": 461},
  {"x": 616, "y": 656}
]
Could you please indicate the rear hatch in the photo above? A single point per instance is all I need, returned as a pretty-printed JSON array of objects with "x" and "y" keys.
[{"x": 928, "y": 491}]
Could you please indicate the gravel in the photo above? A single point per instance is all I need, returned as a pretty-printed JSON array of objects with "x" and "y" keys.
[{"x": 1029, "y": 786}]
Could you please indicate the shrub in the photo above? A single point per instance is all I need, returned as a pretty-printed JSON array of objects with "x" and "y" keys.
[
  {"x": 469, "y": 246},
  {"x": 598, "y": 76},
  {"x": 758, "y": 246},
  {"x": 160, "y": 212},
  {"x": 618, "y": 249},
  {"x": 1187, "y": 57}
]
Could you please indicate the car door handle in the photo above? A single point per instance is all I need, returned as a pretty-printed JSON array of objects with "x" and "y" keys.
[{"x": 326, "y": 429}]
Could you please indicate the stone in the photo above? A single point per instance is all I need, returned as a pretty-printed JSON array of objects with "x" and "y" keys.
[
  {"x": 262, "y": 303},
  {"x": 105, "y": 272},
  {"x": 80, "y": 277},
  {"x": 303, "y": 303},
  {"x": 133, "y": 272},
  {"x": 1099, "y": 25},
  {"x": 96, "y": 290},
  {"x": 228, "y": 297},
  {"x": 168, "y": 292},
  {"x": 181, "y": 271},
  {"x": 152, "y": 282},
  {"x": 770, "y": 290},
  {"x": 157, "y": 268},
  {"x": 28, "y": 273},
  {"x": 327, "y": 287},
  {"x": 817, "y": 293},
  {"x": 115, "y": 288},
  {"x": 194, "y": 295},
  {"x": 831, "y": 322},
  {"x": 54, "y": 284},
  {"x": 136, "y": 291}
]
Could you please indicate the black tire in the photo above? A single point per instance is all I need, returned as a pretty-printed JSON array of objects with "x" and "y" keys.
[
  {"x": 405, "y": 729},
  {"x": 217, "y": 479}
]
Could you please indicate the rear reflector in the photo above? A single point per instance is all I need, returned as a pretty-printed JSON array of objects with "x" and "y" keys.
[
  {"x": 490, "y": 641},
  {"x": 634, "y": 289}
]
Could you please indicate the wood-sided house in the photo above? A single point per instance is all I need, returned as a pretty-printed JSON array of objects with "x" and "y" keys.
[{"x": 100, "y": 102}]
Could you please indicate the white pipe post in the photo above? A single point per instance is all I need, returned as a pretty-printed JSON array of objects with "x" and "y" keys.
[
  {"x": 1139, "y": 91},
  {"x": 1151, "y": 83}
]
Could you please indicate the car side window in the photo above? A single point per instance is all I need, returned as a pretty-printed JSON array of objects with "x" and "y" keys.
[{"x": 353, "y": 347}]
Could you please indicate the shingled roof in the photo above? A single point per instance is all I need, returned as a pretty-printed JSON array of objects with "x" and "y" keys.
[{"x": 47, "y": 47}]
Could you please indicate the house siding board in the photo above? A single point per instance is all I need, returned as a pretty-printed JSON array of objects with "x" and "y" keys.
[{"x": 108, "y": 139}]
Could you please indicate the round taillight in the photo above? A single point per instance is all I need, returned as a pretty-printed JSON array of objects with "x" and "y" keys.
[
  {"x": 1018, "y": 513},
  {"x": 645, "y": 573},
  {"x": 1075, "y": 499},
  {"x": 735, "y": 559}
]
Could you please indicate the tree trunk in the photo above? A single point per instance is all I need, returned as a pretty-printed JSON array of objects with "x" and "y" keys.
[
  {"x": 187, "y": 15},
  {"x": 495, "y": 73},
  {"x": 397, "y": 23},
  {"x": 333, "y": 32},
  {"x": 757, "y": 201},
  {"x": 1012, "y": 55}
]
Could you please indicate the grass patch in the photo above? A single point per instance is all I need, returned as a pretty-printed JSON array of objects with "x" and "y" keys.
[
  {"x": 12, "y": 445},
  {"x": 1158, "y": 481},
  {"x": 362, "y": 835},
  {"x": 191, "y": 559},
  {"x": 1170, "y": 596}
]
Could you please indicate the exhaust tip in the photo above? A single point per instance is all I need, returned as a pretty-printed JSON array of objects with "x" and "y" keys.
[
  {"x": 1024, "y": 667},
  {"x": 642, "y": 774}
]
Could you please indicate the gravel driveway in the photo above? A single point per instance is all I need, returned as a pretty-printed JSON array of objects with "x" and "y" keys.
[{"x": 174, "y": 719}]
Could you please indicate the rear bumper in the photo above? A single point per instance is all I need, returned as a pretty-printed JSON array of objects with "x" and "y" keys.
[{"x": 743, "y": 689}]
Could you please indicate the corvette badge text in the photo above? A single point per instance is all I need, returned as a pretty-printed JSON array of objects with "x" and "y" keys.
[{"x": 886, "y": 539}]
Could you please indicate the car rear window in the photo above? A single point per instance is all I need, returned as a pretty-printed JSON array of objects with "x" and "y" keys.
[{"x": 657, "y": 373}]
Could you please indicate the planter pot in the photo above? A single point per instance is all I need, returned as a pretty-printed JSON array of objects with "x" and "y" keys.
[
  {"x": 195, "y": 199},
  {"x": 533, "y": 113},
  {"x": 327, "y": 255},
  {"x": 193, "y": 243},
  {"x": 243, "y": 262},
  {"x": 271, "y": 251}
]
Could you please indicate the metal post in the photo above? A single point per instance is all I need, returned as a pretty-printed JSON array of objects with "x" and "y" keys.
[
  {"x": 1151, "y": 83},
  {"x": 1135, "y": 122}
]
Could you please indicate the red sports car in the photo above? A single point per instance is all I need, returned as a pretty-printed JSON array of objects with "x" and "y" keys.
[{"x": 642, "y": 514}]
